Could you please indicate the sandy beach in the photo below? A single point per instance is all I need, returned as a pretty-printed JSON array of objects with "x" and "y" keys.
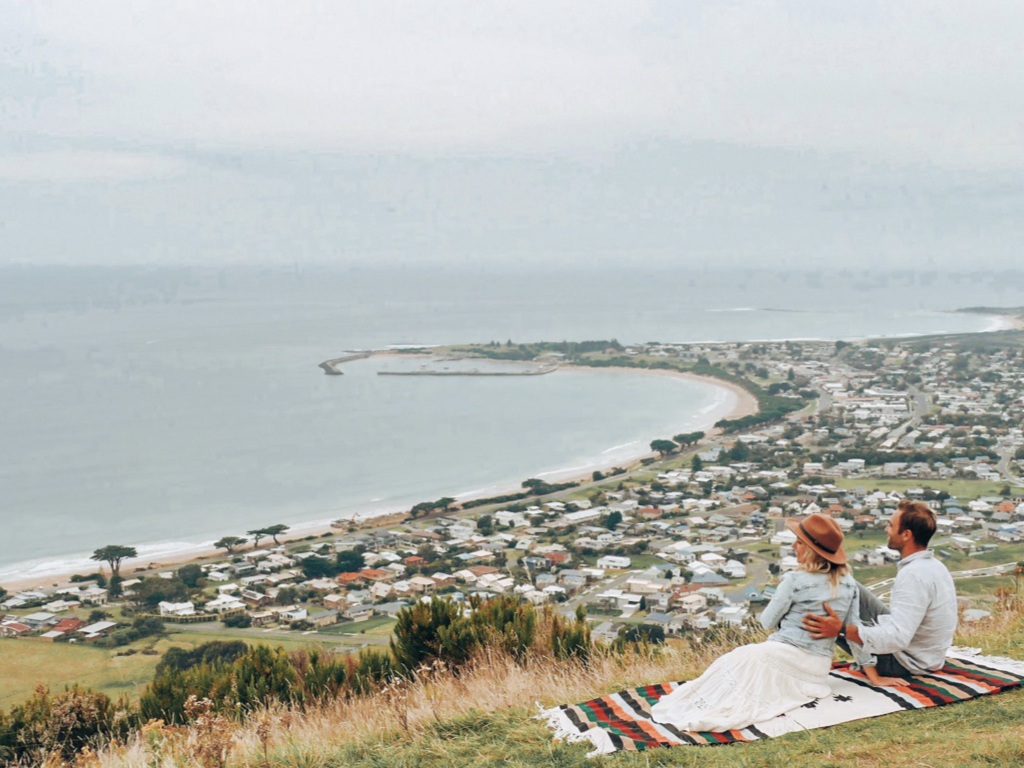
[{"x": 744, "y": 403}]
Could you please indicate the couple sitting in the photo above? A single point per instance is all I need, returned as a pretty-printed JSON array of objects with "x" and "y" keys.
[{"x": 817, "y": 606}]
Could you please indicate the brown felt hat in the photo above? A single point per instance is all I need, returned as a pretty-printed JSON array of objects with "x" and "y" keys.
[{"x": 822, "y": 534}]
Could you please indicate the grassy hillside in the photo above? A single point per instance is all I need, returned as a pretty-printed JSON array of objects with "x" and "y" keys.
[{"x": 485, "y": 718}]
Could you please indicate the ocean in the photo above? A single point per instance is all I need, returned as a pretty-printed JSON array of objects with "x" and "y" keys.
[{"x": 165, "y": 407}]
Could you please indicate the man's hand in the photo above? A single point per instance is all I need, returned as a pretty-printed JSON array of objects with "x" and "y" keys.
[{"x": 823, "y": 626}]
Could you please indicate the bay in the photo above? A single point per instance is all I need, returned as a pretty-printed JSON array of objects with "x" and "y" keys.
[{"x": 165, "y": 407}]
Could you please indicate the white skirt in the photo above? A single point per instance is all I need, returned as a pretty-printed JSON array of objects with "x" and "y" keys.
[{"x": 748, "y": 685}]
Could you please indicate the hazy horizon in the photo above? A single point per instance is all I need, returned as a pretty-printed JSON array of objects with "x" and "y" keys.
[{"x": 742, "y": 134}]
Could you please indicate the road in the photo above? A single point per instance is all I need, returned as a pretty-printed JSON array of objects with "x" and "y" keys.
[
  {"x": 884, "y": 587},
  {"x": 1004, "y": 469}
]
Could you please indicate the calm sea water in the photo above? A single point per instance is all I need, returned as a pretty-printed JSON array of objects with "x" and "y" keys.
[{"x": 167, "y": 407}]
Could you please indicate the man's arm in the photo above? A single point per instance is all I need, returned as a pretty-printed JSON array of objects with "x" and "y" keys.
[
  {"x": 831, "y": 625},
  {"x": 909, "y": 604}
]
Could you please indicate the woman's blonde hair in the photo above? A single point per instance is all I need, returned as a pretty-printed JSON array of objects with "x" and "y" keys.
[{"x": 815, "y": 563}]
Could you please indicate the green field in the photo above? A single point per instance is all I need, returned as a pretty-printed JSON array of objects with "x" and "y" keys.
[
  {"x": 376, "y": 626},
  {"x": 961, "y": 489},
  {"x": 25, "y": 664}
]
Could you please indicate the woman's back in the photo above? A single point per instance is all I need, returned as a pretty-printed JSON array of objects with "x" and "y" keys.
[{"x": 802, "y": 592}]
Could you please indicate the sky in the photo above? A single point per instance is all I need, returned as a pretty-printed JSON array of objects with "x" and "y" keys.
[{"x": 809, "y": 133}]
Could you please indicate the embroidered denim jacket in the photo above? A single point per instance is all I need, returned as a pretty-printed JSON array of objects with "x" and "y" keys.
[{"x": 800, "y": 592}]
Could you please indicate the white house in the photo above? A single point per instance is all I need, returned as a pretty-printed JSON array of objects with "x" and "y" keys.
[
  {"x": 223, "y": 603},
  {"x": 176, "y": 609},
  {"x": 615, "y": 562}
]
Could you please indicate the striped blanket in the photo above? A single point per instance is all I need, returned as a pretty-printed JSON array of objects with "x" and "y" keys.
[{"x": 621, "y": 721}]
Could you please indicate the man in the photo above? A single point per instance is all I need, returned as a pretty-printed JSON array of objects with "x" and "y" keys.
[{"x": 912, "y": 636}]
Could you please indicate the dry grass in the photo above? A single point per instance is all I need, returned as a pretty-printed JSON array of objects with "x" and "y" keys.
[
  {"x": 484, "y": 717},
  {"x": 406, "y": 711}
]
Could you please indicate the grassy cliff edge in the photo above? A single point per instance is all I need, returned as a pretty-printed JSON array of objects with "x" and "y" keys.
[{"x": 485, "y": 717}]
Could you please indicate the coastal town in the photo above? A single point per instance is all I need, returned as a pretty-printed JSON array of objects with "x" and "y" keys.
[{"x": 690, "y": 539}]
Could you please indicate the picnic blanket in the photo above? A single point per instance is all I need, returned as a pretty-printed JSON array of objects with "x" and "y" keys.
[{"x": 621, "y": 721}]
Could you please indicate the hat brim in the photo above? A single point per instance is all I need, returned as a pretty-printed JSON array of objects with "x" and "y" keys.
[{"x": 838, "y": 557}]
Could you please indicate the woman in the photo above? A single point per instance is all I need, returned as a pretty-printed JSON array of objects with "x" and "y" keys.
[{"x": 756, "y": 682}]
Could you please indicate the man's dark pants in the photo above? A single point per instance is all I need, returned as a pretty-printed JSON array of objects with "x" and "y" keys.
[{"x": 870, "y": 609}]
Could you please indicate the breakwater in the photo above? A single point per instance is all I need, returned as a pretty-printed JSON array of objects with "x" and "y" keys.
[
  {"x": 471, "y": 372},
  {"x": 331, "y": 366}
]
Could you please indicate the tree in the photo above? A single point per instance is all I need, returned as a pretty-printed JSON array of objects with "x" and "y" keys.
[
  {"x": 257, "y": 534},
  {"x": 740, "y": 451},
  {"x": 350, "y": 561},
  {"x": 485, "y": 524},
  {"x": 230, "y": 543},
  {"x": 273, "y": 531},
  {"x": 190, "y": 575},
  {"x": 613, "y": 519},
  {"x": 318, "y": 568},
  {"x": 663, "y": 447},
  {"x": 113, "y": 555},
  {"x": 155, "y": 590},
  {"x": 697, "y": 464}
]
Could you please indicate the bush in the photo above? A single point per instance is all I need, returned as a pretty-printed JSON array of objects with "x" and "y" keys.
[
  {"x": 212, "y": 653},
  {"x": 238, "y": 621},
  {"x": 63, "y": 723}
]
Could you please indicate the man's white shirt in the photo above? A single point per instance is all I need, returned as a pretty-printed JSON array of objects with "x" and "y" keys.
[{"x": 920, "y": 628}]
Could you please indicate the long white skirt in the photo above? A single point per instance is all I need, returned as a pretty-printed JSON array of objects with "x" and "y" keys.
[{"x": 749, "y": 684}]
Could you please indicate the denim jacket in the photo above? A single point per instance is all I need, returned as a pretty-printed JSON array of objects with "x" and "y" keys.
[{"x": 800, "y": 592}]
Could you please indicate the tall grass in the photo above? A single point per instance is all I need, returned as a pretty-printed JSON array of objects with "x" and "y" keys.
[{"x": 483, "y": 716}]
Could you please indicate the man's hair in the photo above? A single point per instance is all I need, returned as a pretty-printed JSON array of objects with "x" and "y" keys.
[{"x": 918, "y": 518}]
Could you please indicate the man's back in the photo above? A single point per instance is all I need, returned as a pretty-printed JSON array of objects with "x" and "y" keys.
[{"x": 920, "y": 628}]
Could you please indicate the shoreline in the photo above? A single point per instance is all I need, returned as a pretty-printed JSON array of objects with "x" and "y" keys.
[{"x": 168, "y": 557}]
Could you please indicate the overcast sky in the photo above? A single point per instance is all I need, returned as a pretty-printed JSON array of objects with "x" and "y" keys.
[{"x": 805, "y": 133}]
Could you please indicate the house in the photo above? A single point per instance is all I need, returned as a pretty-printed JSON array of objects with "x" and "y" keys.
[
  {"x": 176, "y": 609},
  {"x": 732, "y": 615},
  {"x": 254, "y": 599},
  {"x": 657, "y": 619},
  {"x": 614, "y": 562},
  {"x": 869, "y": 557},
  {"x": 443, "y": 579},
  {"x": 14, "y": 629},
  {"x": 350, "y": 579},
  {"x": 293, "y": 615},
  {"x": 693, "y": 603},
  {"x": 224, "y": 603},
  {"x": 390, "y": 609},
  {"x": 99, "y": 629},
  {"x": 39, "y": 619},
  {"x": 422, "y": 584},
  {"x": 66, "y": 626},
  {"x": 358, "y": 612},
  {"x": 335, "y": 602},
  {"x": 262, "y": 618},
  {"x": 323, "y": 618},
  {"x": 378, "y": 575},
  {"x": 94, "y": 595}
]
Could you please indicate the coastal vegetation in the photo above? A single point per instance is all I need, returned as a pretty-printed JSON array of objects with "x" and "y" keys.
[
  {"x": 299, "y": 709},
  {"x": 231, "y": 681}
]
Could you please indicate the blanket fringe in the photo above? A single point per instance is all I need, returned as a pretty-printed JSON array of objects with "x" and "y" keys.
[
  {"x": 564, "y": 730},
  {"x": 968, "y": 654}
]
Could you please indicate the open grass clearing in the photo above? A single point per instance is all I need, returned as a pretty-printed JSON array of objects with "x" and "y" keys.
[
  {"x": 377, "y": 625},
  {"x": 26, "y": 664},
  {"x": 961, "y": 489}
]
